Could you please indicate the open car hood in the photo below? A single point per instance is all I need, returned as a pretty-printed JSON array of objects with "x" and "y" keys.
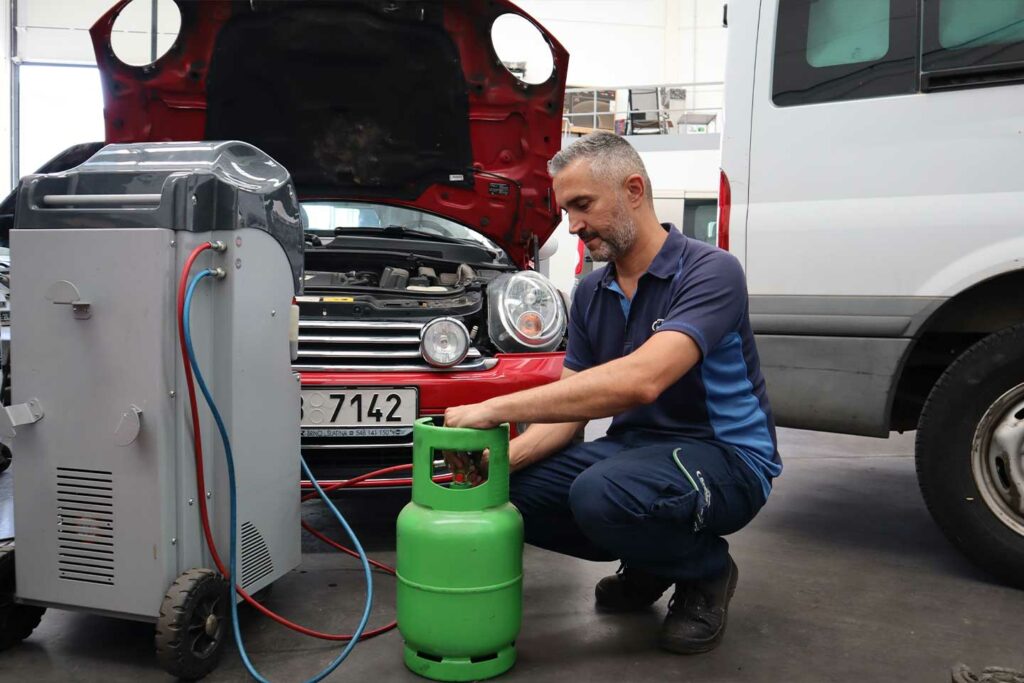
[{"x": 394, "y": 101}]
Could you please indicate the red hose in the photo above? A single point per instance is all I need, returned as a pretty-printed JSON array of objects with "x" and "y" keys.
[
  {"x": 197, "y": 443},
  {"x": 365, "y": 482},
  {"x": 201, "y": 479}
]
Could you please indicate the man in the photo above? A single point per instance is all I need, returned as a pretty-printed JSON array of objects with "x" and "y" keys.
[{"x": 660, "y": 339}]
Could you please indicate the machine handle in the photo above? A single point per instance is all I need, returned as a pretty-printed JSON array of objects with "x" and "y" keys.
[
  {"x": 65, "y": 293},
  {"x": 129, "y": 426},
  {"x": 26, "y": 413},
  {"x": 64, "y": 200}
]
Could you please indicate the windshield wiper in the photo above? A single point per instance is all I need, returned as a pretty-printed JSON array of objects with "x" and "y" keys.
[
  {"x": 398, "y": 231},
  {"x": 401, "y": 231}
]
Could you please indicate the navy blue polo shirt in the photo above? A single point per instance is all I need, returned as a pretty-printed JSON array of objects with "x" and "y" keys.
[{"x": 699, "y": 290}]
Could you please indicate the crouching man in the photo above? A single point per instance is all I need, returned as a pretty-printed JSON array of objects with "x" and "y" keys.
[{"x": 661, "y": 340}]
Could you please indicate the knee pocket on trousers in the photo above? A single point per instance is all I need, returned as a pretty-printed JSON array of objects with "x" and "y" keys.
[
  {"x": 599, "y": 499},
  {"x": 688, "y": 508}
]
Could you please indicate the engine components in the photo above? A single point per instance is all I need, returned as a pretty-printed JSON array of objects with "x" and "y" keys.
[{"x": 394, "y": 278}]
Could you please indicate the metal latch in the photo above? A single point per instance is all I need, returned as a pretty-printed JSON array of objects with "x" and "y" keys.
[
  {"x": 129, "y": 426},
  {"x": 64, "y": 292},
  {"x": 21, "y": 414}
]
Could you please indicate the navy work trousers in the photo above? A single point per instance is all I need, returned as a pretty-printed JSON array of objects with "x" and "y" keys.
[{"x": 623, "y": 497}]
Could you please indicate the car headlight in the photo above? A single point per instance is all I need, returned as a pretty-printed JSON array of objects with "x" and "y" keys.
[
  {"x": 444, "y": 342},
  {"x": 525, "y": 313}
]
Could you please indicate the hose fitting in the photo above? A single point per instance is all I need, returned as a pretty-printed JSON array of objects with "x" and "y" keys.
[{"x": 219, "y": 246}]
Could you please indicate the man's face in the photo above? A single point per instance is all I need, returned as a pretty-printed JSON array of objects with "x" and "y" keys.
[{"x": 598, "y": 211}]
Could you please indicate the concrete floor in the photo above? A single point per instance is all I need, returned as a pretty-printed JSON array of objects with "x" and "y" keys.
[{"x": 843, "y": 577}]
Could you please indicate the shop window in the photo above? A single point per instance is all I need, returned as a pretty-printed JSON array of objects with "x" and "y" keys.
[
  {"x": 58, "y": 106},
  {"x": 700, "y": 220}
]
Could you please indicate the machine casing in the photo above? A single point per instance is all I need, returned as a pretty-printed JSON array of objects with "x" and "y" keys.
[{"x": 105, "y": 500}]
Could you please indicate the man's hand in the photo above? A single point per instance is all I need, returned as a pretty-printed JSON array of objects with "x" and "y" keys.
[
  {"x": 474, "y": 416},
  {"x": 474, "y": 469}
]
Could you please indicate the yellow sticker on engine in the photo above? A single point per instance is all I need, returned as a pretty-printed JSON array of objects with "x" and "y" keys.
[{"x": 337, "y": 299}]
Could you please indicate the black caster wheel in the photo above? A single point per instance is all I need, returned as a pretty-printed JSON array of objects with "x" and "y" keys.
[
  {"x": 5, "y": 457},
  {"x": 16, "y": 621},
  {"x": 193, "y": 624}
]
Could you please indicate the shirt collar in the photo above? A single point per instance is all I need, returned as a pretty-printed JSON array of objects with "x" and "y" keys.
[{"x": 665, "y": 261}]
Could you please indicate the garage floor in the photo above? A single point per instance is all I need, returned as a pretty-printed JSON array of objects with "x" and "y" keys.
[{"x": 843, "y": 577}]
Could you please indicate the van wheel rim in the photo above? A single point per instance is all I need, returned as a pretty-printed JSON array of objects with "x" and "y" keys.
[{"x": 997, "y": 458}]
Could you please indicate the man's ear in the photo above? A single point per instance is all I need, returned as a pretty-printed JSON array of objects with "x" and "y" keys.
[{"x": 635, "y": 190}]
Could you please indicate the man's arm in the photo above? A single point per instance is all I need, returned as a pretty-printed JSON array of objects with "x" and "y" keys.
[
  {"x": 537, "y": 442},
  {"x": 541, "y": 440},
  {"x": 601, "y": 391}
]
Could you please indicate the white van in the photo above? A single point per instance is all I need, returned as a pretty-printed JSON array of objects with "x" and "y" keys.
[{"x": 872, "y": 188}]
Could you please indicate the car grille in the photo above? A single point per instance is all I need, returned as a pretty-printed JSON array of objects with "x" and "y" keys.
[
  {"x": 370, "y": 346},
  {"x": 355, "y": 459}
]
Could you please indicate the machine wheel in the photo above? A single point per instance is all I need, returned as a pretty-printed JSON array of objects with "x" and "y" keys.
[
  {"x": 16, "y": 621},
  {"x": 193, "y": 624},
  {"x": 5, "y": 457},
  {"x": 969, "y": 454}
]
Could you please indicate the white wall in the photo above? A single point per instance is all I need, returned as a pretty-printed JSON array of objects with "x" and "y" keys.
[
  {"x": 636, "y": 42},
  {"x": 692, "y": 172}
]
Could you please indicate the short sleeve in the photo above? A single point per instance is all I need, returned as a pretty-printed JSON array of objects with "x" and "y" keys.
[
  {"x": 579, "y": 354},
  {"x": 709, "y": 301}
]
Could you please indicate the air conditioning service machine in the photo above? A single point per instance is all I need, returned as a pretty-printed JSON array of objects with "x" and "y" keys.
[{"x": 112, "y": 514}]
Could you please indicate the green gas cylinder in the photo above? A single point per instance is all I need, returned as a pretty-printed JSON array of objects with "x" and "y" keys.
[{"x": 460, "y": 562}]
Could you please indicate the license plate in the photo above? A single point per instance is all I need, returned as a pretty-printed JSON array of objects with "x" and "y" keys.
[{"x": 383, "y": 407}]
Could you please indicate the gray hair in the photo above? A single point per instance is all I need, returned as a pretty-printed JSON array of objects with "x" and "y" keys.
[{"x": 611, "y": 157}]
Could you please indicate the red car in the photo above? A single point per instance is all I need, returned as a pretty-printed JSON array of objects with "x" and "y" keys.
[{"x": 420, "y": 162}]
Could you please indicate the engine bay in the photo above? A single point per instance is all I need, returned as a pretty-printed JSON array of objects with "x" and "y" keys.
[{"x": 408, "y": 278}]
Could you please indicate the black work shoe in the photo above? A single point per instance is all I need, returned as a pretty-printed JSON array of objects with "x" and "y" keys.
[
  {"x": 629, "y": 589},
  {"x": 697, "y": 613}
]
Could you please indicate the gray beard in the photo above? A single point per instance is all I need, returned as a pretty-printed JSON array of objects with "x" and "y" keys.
[{"x": 619, "y": 240}]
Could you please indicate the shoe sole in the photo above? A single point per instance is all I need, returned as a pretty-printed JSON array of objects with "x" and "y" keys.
[{"x": 689, "y": 647}]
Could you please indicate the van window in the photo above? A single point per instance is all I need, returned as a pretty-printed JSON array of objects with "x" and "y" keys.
[
  {"x": 829, "y": 50},
  {"x": 972, "y": 42},
  {"x": 970, "y": 23},
  {"x": 845, "y": 32}
]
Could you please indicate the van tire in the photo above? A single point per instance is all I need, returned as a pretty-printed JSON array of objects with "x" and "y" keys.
[{"x": 976, "y": 382}]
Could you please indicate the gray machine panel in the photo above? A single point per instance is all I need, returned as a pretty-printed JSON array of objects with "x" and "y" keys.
[
  {"x": 99, "y": 510},
  {"x": 240, "y": 331}
]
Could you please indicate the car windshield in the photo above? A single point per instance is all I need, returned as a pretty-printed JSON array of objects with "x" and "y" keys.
[{"x": 327, "y": 219}]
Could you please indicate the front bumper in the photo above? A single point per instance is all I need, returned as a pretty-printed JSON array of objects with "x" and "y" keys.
[{"x": 342, "y": 457}]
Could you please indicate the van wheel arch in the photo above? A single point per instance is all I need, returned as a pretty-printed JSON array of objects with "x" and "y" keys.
[
  {"x": 985, "y": 308},
  {"x": 962, "y": 472}
]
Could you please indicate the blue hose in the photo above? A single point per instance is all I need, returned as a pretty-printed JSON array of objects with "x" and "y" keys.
[{"x": 234, "y": 510}]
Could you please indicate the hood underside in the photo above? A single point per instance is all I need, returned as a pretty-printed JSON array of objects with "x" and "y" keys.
[{"x": 383, "y": 100}]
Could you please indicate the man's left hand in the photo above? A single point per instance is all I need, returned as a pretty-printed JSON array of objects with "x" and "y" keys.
[{"x": 474, "y": 416}]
